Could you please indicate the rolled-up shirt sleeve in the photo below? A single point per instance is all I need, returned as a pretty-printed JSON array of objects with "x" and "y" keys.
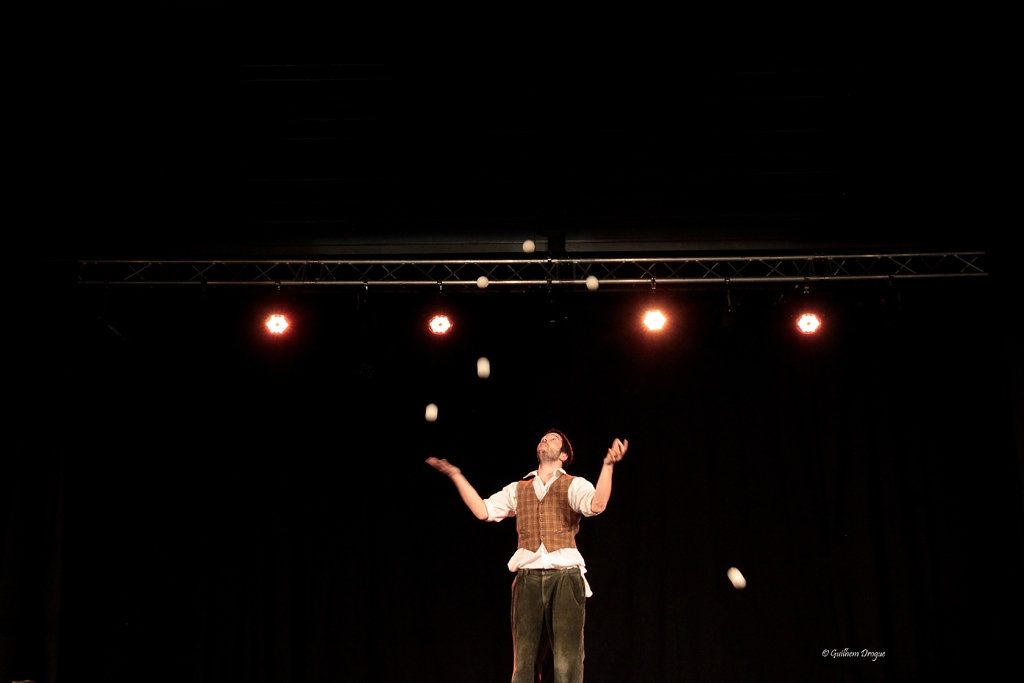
[
  {"x": 581, "y": 495},
  {"x": 502, "y": 504}
]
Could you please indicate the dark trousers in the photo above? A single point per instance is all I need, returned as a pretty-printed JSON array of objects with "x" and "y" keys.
[{"x": 548, "y": 609}]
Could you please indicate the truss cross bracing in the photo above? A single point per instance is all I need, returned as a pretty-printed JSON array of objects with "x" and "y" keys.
[{"x": 526, "y": 272}]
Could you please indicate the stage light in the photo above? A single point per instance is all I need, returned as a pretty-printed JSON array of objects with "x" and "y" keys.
[
  {"x": 654, "y": 320},
  {"x": 277, "y": 324},
  {"x": 440, "y": 324},
  {"x": 808, "y": 323}
]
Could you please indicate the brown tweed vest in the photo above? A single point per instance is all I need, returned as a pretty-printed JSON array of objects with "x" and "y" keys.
[{"x": 550, "y": 521}]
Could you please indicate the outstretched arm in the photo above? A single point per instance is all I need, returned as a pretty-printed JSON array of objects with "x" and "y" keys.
[
  {"x": 469, "y": 495},
  {"x": 604, "y": 483}
]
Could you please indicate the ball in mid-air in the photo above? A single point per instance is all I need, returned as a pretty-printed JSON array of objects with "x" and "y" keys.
[
  {"x": 529, "y": 246},
  {"x": 592, "y": 283},
  {"x": 483, "y": 367},
  {"x": 737, "y": 579},
  {"x": 482, "y": 282},
  {"x": 431, "y": 413}
]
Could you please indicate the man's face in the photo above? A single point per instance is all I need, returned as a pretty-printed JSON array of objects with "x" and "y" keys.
[{"x": 550, "y": 449}]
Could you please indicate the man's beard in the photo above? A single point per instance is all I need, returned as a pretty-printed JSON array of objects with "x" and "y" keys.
[{"x": 547, "y": 456}]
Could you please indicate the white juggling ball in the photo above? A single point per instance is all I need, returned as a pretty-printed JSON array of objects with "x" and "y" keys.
[{"x": 737, "y": 579}]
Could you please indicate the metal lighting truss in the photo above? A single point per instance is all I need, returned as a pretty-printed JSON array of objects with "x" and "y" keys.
[{"x": 527, "y": 272}]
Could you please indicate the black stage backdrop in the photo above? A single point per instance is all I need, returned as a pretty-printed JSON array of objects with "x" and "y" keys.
[{"x": 198, "y": 502}]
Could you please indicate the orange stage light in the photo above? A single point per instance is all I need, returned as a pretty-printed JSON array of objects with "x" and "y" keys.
[
  {"x": 440, "y": 324},
  {"x": 277, "y": 324},
  {"x": 654, "y": 320},
  {"x": 808, "y": 323}
]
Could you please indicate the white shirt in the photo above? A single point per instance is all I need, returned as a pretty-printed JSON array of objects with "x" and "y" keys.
[{"x": 503, "y": 504}]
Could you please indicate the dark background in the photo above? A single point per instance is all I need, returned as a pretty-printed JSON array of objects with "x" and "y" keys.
[{"x": 188, "y": 499}]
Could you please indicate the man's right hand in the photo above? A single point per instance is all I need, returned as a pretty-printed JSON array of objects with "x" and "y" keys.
[
  {"x": 444, "y": 467},
  {"x": 469, "y": 495}
]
